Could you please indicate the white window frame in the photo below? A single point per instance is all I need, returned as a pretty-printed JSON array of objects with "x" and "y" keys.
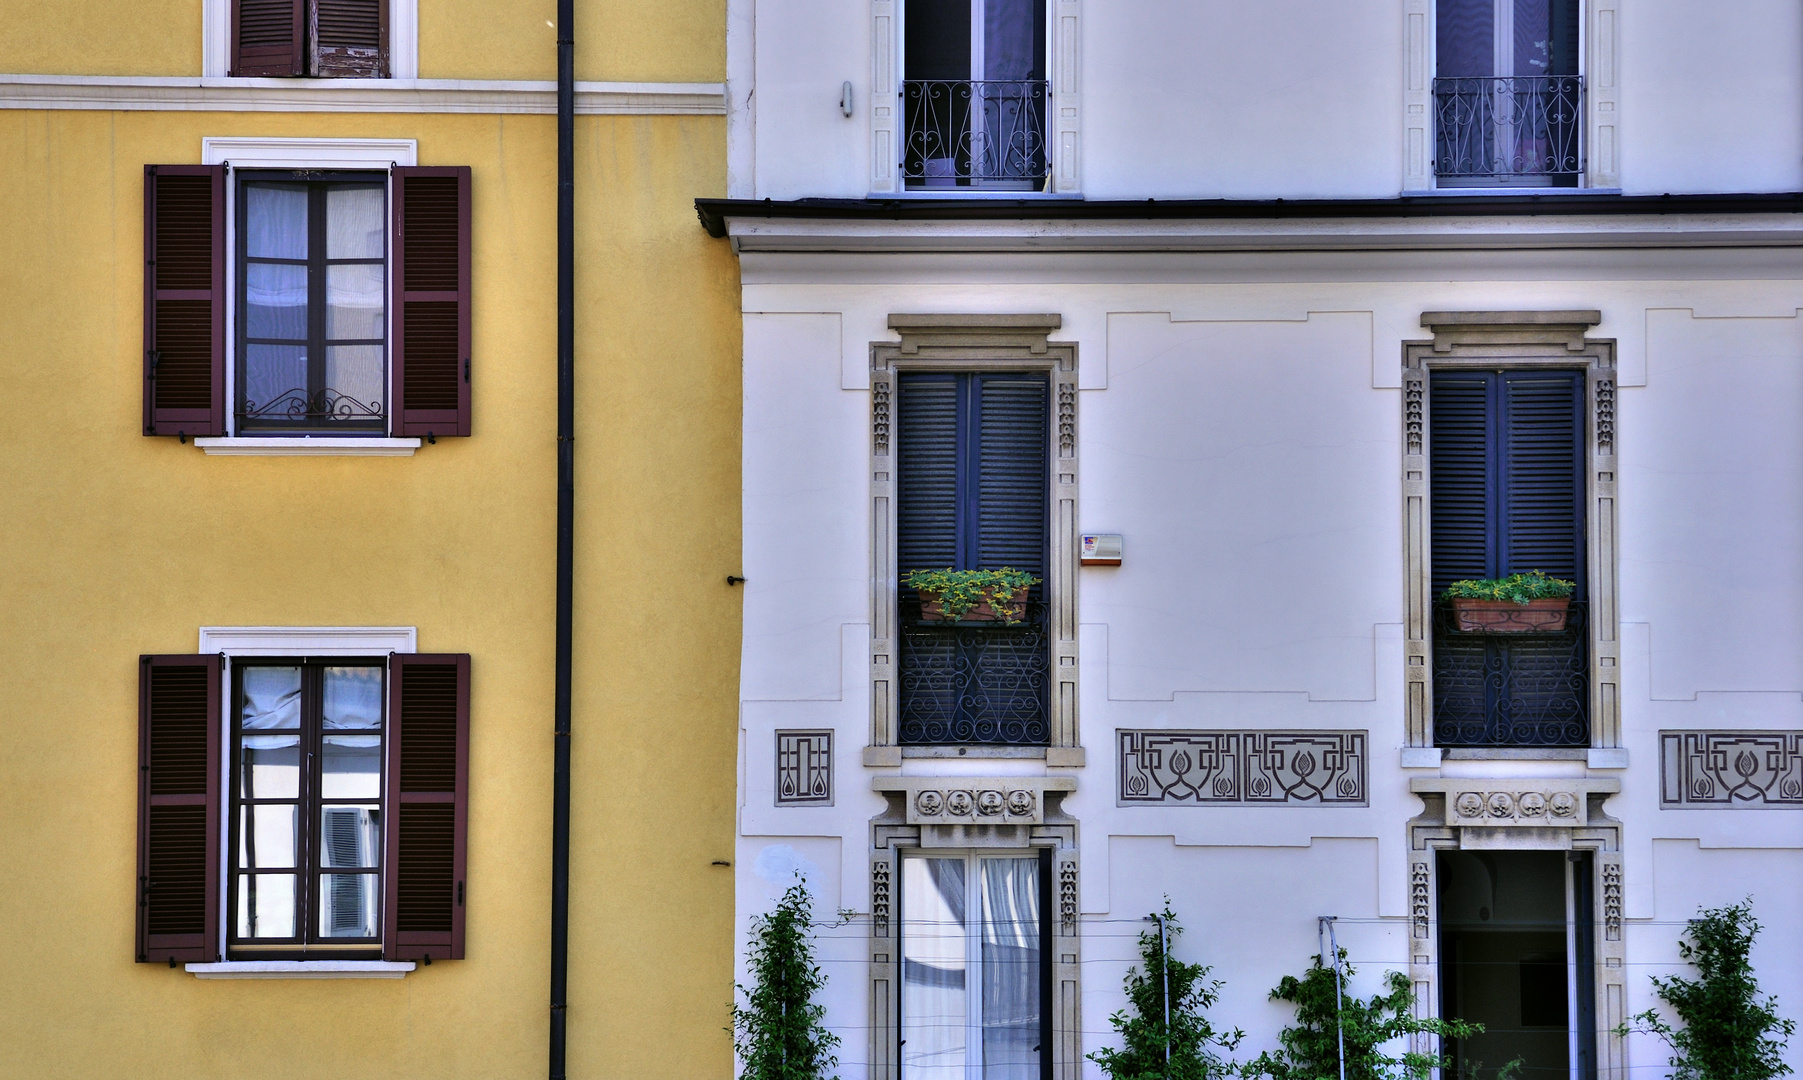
[
  {"x": 251, "y": 152},
  {"x": 403, "y": 40},
  {"x": 1064, "y": 104},
  {"x": 229, "y": 642}
]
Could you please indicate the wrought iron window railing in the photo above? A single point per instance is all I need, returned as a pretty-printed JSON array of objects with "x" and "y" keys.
[
  {"x": 1509, "y": 129},
  {"x": 1528, "y": 689},
  {"x": 974, "y": 682},
  {"x": 975, "y": 133},
  {"x": 296, "y": 406}
]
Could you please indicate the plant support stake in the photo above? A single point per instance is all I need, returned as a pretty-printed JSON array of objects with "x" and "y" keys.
[
  {"x": 1164, "y": 991},
  {"x": 1325, "y": 923},
  {"x": 566, "y": 513}
]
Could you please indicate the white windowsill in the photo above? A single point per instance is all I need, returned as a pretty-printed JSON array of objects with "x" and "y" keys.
[
  {"x": 302, "y": 969},
  {"x": 308, "y": 446}
]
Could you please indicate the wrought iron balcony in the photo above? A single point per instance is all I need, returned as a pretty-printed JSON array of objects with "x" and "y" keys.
[
  {"x": 1509, "y": 130},
  {"x": 987, "y": 133},
  {"x": 974, "y": 682},
  {"x": 1529, "y": 689},
  {"x": 296, "y": 406}
]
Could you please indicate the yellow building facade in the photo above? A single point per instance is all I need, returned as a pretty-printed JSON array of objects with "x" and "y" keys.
[{"x": 313, "y": 543}]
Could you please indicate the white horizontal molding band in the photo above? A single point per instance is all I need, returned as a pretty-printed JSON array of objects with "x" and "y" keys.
[
  {"x": 300, "y": 446},
  {"x": 190, "y": 94},
  {"x": 303, "y": 969},
  {"x": 308, "y": 641}
]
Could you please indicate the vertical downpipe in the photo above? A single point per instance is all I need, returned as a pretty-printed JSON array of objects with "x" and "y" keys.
[{"x": 566, "y": 511}]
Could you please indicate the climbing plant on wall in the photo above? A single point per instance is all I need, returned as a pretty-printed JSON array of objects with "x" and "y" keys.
[
  {"x": 779, "y": 1031},
  {"x": 1145, "y": 1032}
]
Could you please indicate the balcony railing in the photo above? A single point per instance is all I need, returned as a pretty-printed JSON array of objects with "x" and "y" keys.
[
  {"x": 975, "y": 133},
  {"x": 1528, "y": 689},
  {"x": 1509, "y": 130},
  {"x": 973, "y": 683}
]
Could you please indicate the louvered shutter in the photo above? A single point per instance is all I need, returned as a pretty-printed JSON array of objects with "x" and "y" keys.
[
  {"x": 267, "y": 37},
  {"x": 184, "y": 300},
  {"x": 350, "y": 38},
  {"x": 1461, "y": 468},
  {"x": 427, "y": 777},
  {"x": 431, "y": 342},
  {"x": 1542, "y": 503},
  {"x": 1010, "y": 514},
  {"x": 178, "y": 809},
  {"x": 927, "y": 467}
]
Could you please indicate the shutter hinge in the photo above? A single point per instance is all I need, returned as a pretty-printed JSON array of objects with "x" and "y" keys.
[
  {"x": 156, "y": 357},
  {"x": 460, "y": 894},
  {"x": 466, "y": 369},
  {"x": 432, "y": 438}
]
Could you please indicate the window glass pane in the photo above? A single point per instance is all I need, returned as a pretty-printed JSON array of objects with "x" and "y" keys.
[
  {"x": 1010, "y": 969},
  {"x": 266, "y": 905},
  {"x": 1465, "y": 35},
  {"x": 349, "y": 836},
  {"x": 354, "y": 372},
  {"x": 271, "y": 698},
  {"x": 353, "y": 697},
  {"x": 275, "y": 221},
  {"x": 353, "y": 301},
  {"x": 935, "y": 1010},
  {"x": 354, "y": 222},
  {"x": 275, "y": 381},
  {"x": 347, "y": 905},
  {"x": 1012, "y": 48},
  {"x": 266, "y": 837},
  {"x": 269, "y": 767},
  {"x": 275, "y": 301},
  {"x": 351, "y": 768}
]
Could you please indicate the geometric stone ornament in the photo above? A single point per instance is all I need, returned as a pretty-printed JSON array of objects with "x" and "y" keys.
[
  {"x": 1242, "y": 768},
  {"x": 804, "y": 768},
  {"x": 1533, "y": 803},
  {"x": 1737, "y": 769},
  {"x": 970, "y": 800}
]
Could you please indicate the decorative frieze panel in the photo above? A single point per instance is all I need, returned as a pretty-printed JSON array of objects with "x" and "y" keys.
[
  {"x": 1746, "y": 769},
  {"x": 1251, "y": 768},
  {"x": 969, "y": 800},
  {"x": 804, "y": 768},
  {"x": 1555, "y": 803}
]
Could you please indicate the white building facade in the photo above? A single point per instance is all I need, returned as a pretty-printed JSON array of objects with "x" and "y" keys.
[{"x": 1311, "y": 309}]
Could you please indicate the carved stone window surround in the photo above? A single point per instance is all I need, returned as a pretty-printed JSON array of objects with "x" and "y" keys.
[
  {"x": 965, "y": 342},
  {"x": 1517, "y": 340}
]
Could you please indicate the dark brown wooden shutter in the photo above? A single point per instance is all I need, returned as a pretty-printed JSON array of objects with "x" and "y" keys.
[
  {"x": 431, "y": 353},
  {"x": 184, "y": 300},
  {"x": 428, "y": 805},
  {"x": 178, "y": 809},
  {"x": 267, "y": 37},
  {"x": 350, "y": 38}
]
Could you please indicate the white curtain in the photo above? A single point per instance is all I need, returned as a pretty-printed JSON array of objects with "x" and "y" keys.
[
  {"x": 935, "y": 947},
  {"x": 1010, "y": 969}
]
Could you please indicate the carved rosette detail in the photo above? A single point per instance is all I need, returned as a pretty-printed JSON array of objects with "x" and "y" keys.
[
  {"x": 879, "y": 898},
  {"x": 1067, "y": 897},
  {"x": 1605, "y": 416},
  {"x": 1531, "y": 807},
  {"x": 1612, "y": 901},
  {"x": 879, "y": 417},
  {"x": 929, "y": 803},
  {"x": 1414, "y": 390},
  {"x": 1418, "y": 898},
  {"x": 1067, "y": 419}
]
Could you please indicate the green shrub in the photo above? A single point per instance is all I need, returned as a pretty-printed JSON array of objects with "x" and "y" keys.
[
  {"x": 1516, "y": 588},
  {"x": 1190, "y": 1037},
  {"x": 1731, "y": 1031},
  {"x": 961, "y": 590},
  {"x": 778, "y": 1033}
]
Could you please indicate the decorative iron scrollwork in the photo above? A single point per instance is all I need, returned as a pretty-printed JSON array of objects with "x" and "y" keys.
[
  {"x": 984, "y": 131},
  {"x": 983, "y": 683},
  {"x": 298, "y": 405},
  {"x": 1503, "y": 127},
  {"x": 1515, "y": 689}
]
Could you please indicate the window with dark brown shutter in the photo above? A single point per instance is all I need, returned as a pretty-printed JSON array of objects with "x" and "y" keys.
[
  {"x": 430, "y": 363},
  {"x": 321, "y": 38},
  {"x": 184, "y": 300},
  {"x": 178, "y": 809},
  {"x": 428, "y": 778}
]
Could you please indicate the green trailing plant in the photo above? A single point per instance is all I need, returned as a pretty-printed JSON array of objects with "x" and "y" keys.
[
  {"x": 1731, "y": 1031},
  {"x": 1310, "y": 1046},
  {"x": 779, "y": 1032},
  {"x": 1516, "y": 588},
  {"x": 1192, "y": 1040},
  {"x": 961, "y": 590}
]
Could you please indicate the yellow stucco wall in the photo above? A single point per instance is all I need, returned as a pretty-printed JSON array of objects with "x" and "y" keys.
[
  {"x": 616, "y": 40},
  {"x": 115, "y": 544}
]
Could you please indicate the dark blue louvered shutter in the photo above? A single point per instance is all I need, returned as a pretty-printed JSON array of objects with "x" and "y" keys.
[
  {"x": 927, "y": 471},
  {"x": 1542, "y": 484},
  {"x": 1463, "y": 478},
  {"x": 1011, "y": 473}
]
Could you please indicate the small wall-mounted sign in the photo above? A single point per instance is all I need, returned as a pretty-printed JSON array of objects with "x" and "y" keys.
[{"x": 1101, "y": 549}]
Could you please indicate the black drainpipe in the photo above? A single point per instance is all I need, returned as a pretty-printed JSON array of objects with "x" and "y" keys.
[{"x": 566, "y": 512}]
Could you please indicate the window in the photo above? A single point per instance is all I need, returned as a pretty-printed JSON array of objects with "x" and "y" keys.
[
  {"x": 312, "y": 257},
  {"x": 342, "y": 817},
  {"x": 971, "y": 459},
  {"x": 1507, "y": 495},
  {"x": 1508, "y": 97},
  {"x": 974, "y": 91},
  {"x": 349, "y": 296},
  {"x": 320, "y": 38},
  {"x": 972, "y": 940}
]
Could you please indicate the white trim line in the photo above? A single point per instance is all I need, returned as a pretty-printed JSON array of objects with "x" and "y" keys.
[
  {"x": 302, "y": 969},
  {"x": 308, "y": 640},
  {"x": 189, "y": 94},
  {"x": 252, "y": 152},
  {"x": 307, "y": 446}
]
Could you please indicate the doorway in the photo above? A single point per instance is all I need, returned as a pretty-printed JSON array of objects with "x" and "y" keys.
[{"x": 1516, "y": 955}]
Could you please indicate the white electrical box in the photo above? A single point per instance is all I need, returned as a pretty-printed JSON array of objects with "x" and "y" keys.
[{"x": 1101, "y": 549}]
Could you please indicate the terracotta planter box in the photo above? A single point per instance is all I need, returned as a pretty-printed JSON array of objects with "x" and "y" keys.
[
  {"x": 1503, "y": 617},
  {"x": 1012, "y": 609}
]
